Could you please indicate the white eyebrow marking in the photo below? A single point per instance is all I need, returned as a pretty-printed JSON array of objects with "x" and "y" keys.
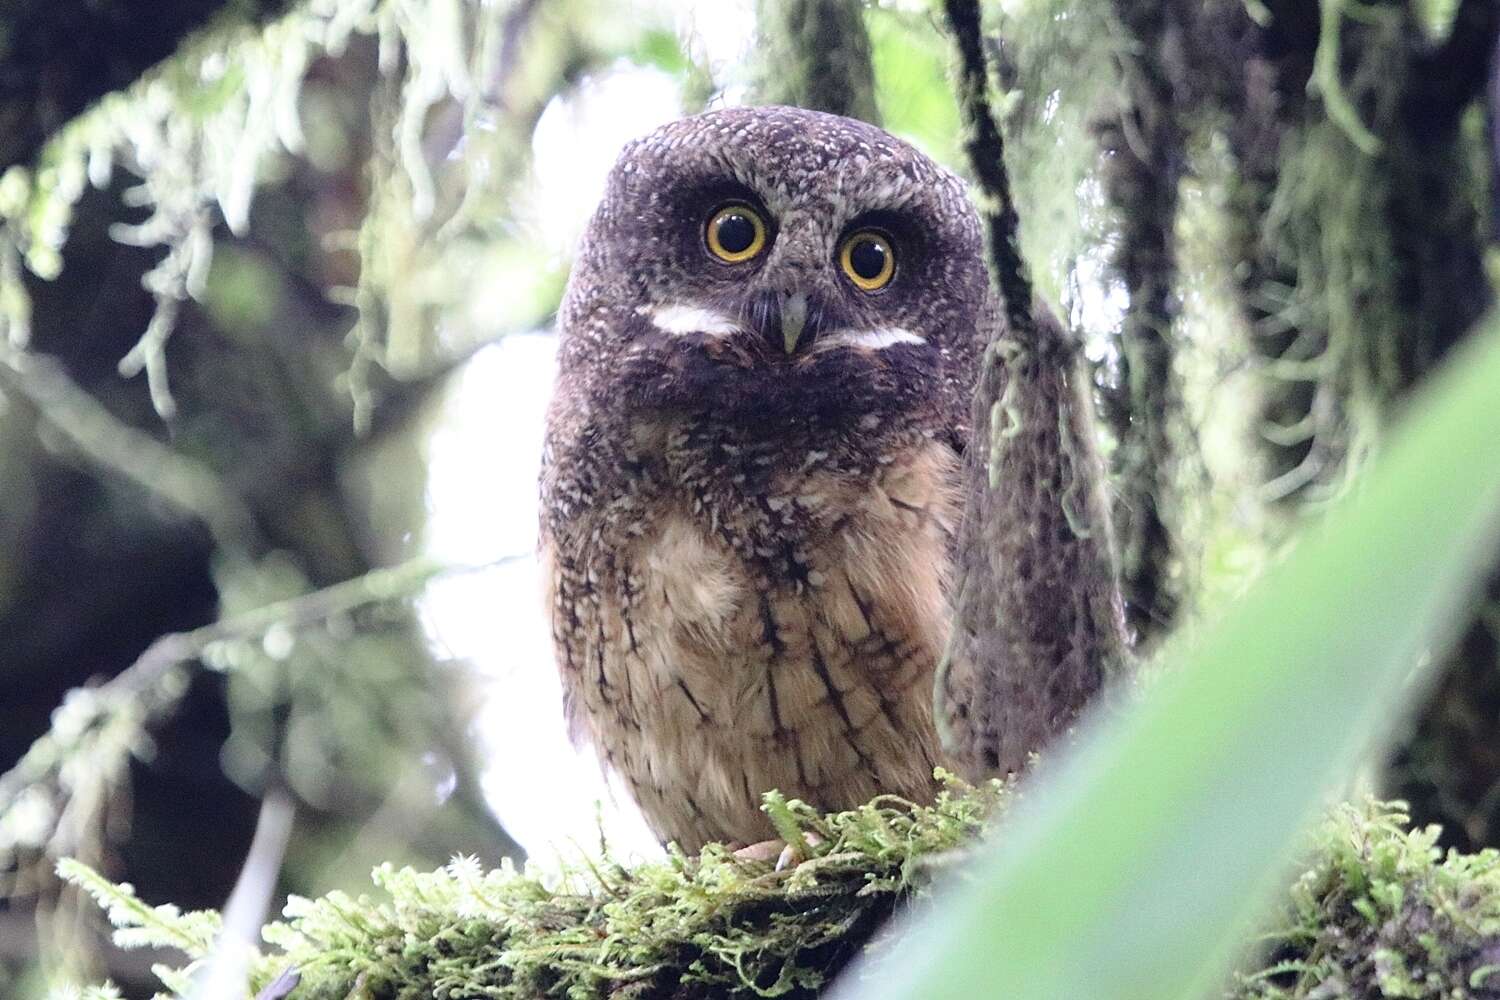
[
  {"x": 875, "y": 340},
  {"x": 683, "y": 319}
]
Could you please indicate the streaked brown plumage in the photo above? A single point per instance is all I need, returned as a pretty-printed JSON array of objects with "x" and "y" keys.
[{"x": 751, "y": 480}]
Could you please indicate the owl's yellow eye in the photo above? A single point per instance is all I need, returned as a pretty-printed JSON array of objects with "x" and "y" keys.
[
  {"x": 869, "y": 260},
  {"x": 735, "y": 233}
]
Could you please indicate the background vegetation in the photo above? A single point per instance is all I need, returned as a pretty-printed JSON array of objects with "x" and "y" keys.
[{"x": 234, "y": 285}]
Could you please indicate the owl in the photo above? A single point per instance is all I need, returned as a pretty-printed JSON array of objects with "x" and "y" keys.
[{"x": 750, "y": 486}]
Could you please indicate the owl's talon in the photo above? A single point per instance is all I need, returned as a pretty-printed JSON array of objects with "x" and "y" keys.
[
  {"x": 766, "y": 851},
  {"x": 792, "y": 854},
  {"x": 785, "y": 855}
]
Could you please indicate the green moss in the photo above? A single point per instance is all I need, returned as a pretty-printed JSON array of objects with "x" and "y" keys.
[
  {"x": 713, "y": 925},
  {"x": 1383, "y": 912},
  {"x": 1379, "y": 912}
]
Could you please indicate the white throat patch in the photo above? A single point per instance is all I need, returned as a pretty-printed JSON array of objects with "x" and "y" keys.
[
  {"x": 682, "y": 319},
  {"x": 870, "y": 340}
]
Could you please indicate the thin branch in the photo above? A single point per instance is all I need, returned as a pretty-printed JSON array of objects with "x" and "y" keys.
[
  {"x": 281, "y": 987},
  {"x": 229, "y": 964},
  {"x": 146, "y": 687},
  {"x": 986, "y": 155},
  {"x": 184, "y": 484},
  {"x": 379, "y": 586}
]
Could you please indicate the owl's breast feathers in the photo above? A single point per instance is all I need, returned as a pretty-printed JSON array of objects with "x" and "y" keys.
[{"x": 731, "y": 618}]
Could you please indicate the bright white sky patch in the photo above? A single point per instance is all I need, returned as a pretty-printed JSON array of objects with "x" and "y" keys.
[
  {"x": 482, "y": 497},
  {"x": 580, "y": 134},
  {"x": 482, "y": 492},
  {"x": 721, "y": 34}
]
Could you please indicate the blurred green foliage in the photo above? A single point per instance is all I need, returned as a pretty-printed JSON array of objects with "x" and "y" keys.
[{"x": 910, "y": 56}]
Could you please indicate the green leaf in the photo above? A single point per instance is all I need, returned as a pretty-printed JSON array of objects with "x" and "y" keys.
[
  {"x": 910, "y": 58},
  {"x": 663, "y": 49},
  {"x": 1132, "y": 867}
]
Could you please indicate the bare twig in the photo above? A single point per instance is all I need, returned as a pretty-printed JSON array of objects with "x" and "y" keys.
[
  {"x": 229, "y": 965},
  {"x": 281, "y": 987},
  {"x": 184, "y": 484}
]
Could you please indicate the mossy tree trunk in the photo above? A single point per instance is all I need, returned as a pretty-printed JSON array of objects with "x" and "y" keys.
[
  {"x": 1145, "y": 158},
  {"x": 1356, "y": 283},
  {"x": 816, "y": 54},
  {"x": 1358, "y": 214},
  {"x": 1344, "y": 157}
]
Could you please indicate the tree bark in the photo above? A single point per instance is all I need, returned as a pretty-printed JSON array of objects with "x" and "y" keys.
[
  {"x": 1144, "y": 163},
  {"x": 816, "y": 54}
]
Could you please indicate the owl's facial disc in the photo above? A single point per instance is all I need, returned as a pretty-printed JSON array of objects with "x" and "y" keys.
[{"x": 762, "y": 268}]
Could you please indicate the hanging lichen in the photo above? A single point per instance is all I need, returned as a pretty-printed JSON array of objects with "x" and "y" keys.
[{"x": 199, "y": 132}]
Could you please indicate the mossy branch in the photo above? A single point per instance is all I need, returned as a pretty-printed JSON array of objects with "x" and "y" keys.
[
  {"x": 708, "y": 926},
  {"x": 1038, "y": 624},
  {"x": 1144, "y": 141},
  {"x": 1379, "y": 911},
  {"x": 985, "y": 148}
]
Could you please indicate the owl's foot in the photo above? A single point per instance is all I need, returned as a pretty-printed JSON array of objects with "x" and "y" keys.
[{"x": 785, "y": 855}]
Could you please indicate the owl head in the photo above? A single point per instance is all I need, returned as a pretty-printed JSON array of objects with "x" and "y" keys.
[{"x": 761, "y": 267}]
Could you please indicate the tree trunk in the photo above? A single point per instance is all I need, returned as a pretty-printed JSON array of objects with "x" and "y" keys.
[{"x": 816, "y": 54}]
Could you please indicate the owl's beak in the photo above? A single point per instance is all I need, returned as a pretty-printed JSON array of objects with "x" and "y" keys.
[{"x": 793, "y": 320}]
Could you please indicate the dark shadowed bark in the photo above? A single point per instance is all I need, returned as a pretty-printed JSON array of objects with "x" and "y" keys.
[
  {"x": 1144, "y": 164},
  {"x": 58, "y": 56}
]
